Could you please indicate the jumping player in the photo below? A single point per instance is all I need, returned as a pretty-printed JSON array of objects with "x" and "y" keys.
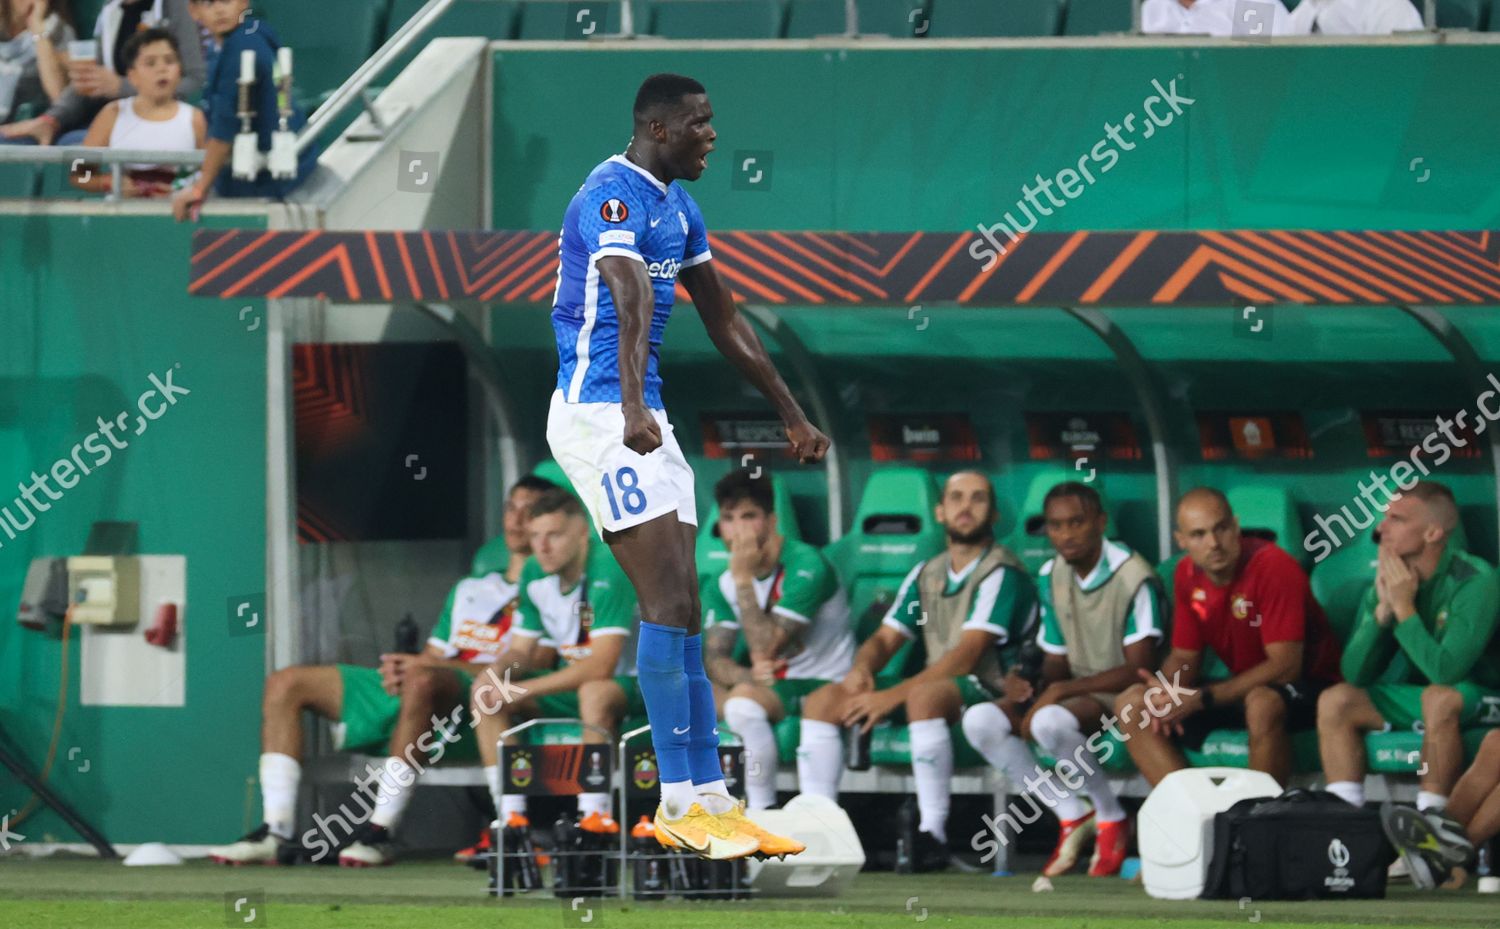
[{"x": 628, "y": 236}]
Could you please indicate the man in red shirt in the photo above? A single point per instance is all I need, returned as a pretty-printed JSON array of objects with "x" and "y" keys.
[{"x": 1248, "y": 601}]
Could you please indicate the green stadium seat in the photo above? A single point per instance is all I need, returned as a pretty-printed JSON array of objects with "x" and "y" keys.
[
  {"x": 1339, "y": 582},
  {"x": 893, "y": 529},
  {"x": 1460, "y": 14},
  {"x": 549, "y": 20},
  {"x": 806, "y": 19},
  {"x": 1270, "y": 511},
  {"x": 1097, "y": 17},
  {"x": 716, "y": 19},
  {"x": 85, "y": 14},
  {"x": 324, "y": 57},
  {"x": 965, "y": 18},
  {"x": 896, "y": 18},
  {"x": 713, "y": 557},
  {"x": 490, "y": 19}
]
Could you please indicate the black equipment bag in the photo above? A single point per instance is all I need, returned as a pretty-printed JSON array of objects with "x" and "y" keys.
[{"x": 1302, "y": 845}]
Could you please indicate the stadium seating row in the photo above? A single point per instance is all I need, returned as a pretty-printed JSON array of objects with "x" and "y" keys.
[{"x": 894, "y": 528}]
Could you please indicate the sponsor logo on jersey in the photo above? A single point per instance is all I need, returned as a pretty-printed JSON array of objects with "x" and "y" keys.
[
  {"x": 1241, "y": 606},
  {"x": 664, "y": 270},
  {"x": 614, "y": 210},
  {"x": 682, "y": 219}
]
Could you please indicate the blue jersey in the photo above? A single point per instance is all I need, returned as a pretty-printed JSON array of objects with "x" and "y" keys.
[{"x": 621, "y": 209}]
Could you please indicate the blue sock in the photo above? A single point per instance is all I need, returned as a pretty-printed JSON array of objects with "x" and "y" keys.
[
  {"x": 664, "y": 687},
  {"x": 703, "y": 741}
]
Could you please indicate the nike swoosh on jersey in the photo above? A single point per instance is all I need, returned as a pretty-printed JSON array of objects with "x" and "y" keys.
[
  {"x": 682, "y": 731},
  {"x": 655, "y": 223}
]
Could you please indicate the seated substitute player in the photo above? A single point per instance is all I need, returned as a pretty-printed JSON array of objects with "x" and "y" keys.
[
  {"x": 394, "y": 706},
  {"x": 1423, "y": 653},
  {"x": 629, "y": 235},
  {"x": 972, "y": 606},
  {"x": 779, "y": 603},
  {"x": 575, "y": 605},
  {"x": 1101, "y": 624},
  {"x": 1250, "y": 602},
  {"x": 1439, "y": 844}
]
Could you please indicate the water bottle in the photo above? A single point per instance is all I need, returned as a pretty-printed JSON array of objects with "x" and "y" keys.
[
  {"x": 1488, "y": 882},
  {"x": 650, "y": 877},
  {"x": 408, "y": 636},
  {"x": 858, "y": 752}
]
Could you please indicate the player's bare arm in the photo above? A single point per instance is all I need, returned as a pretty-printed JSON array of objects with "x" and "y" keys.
[
  {"x": 870, "y": 658},
  {"x": 718, "y": 652},
  {"x": 733, "y": 336},
  {"x": 596, "y": 666},
  {"x": 1139, "y": 656},
  {"x": 630, "y": 288}
]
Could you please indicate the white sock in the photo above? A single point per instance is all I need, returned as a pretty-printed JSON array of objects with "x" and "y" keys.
[
  {"x": 988, "y": 729},
  {"x": 714, "y": 797},
  {"x": 396, "y": 786},
  {"x": 820, "y": 759},
  {"x": 1057, "y": 730},
  {"x": 677, "y": 796},
  {"x": 1430, "y": 801},
  {"x": 279, "y": 776},
  {"x": 932, "y": 768},
  {"x": 1352, "y": 792},
  {"x": 593, "y": 803},
  {"x": 753, "y": 725}
]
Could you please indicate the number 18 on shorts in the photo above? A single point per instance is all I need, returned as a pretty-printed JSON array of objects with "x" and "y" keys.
[{"x": 619, "y": 487}]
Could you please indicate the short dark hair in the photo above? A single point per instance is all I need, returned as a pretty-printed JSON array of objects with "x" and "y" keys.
[
  {"x": 556, "y": 500},
  {"x": 140, "y": 40},
  {"x": 1088, "y": 496},
  {"x": 742, "y": 484},
  {"x": 533, "y": 482},
  {"x": 663, "y": 90}
]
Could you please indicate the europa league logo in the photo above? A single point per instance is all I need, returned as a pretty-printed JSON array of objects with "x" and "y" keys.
[{"x": 595, "y": 776}]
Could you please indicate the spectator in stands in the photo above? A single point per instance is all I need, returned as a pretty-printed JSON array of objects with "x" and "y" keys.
[
  {"x": 779, "y": 604},
  {"x": 1423, "y": 653},
  {"x": 153, "y": 119},
  {"x": 92, "y": 84},
  {"x": 397, "y": 706},
  {"x": 971, "y": 606},
  {"x": 576, "y": 614},
  {"x": 1355, "y": 17},
  {"x": 1101, "y": 623},
  {"x": 1214, "y": 17},
  {"x": 1248, "y": 601},
  {"x": 237, "y": 32},
  {"x": 32, "y": 36}
]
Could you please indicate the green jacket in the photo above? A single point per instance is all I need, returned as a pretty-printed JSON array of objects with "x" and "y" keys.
[{"x": 1451, "y": 639}]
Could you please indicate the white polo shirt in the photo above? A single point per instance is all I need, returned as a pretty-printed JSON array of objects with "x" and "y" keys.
[
  {"x": 1206, "y": 17},
  {"x": 1355, "y": 17}
]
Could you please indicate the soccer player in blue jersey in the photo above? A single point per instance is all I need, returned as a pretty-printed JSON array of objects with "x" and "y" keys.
[{"x": 628, "y": 235}]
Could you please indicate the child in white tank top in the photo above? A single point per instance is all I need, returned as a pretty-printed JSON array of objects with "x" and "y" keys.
[{"x": 152, "y": 119}]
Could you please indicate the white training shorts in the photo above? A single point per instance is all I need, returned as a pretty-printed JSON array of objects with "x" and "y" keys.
[{"x": 619, "y": 487}]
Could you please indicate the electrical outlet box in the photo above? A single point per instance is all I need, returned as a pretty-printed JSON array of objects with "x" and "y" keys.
[{"x": 104, "y": 590}]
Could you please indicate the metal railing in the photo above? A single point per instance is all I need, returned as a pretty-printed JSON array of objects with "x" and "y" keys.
[{"x": 116, "y": 159}]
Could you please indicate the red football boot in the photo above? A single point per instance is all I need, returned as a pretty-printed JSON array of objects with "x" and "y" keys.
[
  {"x": 1072, "y": 837},
  {"x": 1110, "y": 847}
]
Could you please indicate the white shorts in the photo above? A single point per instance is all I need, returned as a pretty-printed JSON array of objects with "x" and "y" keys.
[{"x": 618, "y": 487}]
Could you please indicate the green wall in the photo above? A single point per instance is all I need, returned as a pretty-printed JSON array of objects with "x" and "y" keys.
[
  {"x": 90, "y": 305},
  {"x": 925, "y": 139}
]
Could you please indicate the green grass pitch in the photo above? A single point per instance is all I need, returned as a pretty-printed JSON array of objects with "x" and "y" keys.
[{"x": 88, "y": 894}]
